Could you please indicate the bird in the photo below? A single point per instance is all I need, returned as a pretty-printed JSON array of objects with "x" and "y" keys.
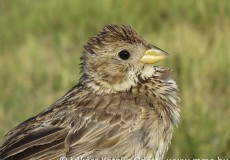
[{"x": 124, "y": 106}]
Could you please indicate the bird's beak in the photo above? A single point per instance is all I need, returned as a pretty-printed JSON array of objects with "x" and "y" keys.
[{"x": 153, "y": 56}]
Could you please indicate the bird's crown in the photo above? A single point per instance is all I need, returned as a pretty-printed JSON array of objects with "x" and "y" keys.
[{"x": 114, "y": 33}]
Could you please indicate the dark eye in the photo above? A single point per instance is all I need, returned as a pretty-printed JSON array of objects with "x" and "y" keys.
[{"x": 124, "y": 54}]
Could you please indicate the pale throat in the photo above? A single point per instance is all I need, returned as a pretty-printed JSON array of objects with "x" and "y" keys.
[{"x": 131, "y": 79}]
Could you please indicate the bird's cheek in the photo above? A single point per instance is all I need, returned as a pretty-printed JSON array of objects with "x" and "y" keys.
[{"x": 112, "y": 74}]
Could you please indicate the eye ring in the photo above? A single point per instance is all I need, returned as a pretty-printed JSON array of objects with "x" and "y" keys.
[{"x": 124, "y": 54}]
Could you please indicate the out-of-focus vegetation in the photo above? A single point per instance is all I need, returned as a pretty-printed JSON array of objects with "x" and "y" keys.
[{"x": 41, "y": 41}]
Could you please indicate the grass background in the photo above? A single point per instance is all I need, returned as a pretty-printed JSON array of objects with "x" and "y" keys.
[{"x": 41, "y": 41}]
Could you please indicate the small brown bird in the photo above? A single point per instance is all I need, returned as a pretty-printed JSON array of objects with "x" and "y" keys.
[{"x": 122, "y": 107}]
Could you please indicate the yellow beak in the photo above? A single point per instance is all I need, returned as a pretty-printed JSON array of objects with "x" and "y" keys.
[{"x": 153, "y": 56}]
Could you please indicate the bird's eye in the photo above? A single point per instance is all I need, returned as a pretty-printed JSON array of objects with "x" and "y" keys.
[{"x": 124, "y": 54}]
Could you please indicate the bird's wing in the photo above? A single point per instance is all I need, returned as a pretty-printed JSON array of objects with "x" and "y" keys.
[
  {"x": 72, "y": 129},
  {"x": 108, "y": 125}
]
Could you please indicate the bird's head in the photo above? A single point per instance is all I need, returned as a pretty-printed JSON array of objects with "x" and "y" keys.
[{"x": 117, "y": 57}]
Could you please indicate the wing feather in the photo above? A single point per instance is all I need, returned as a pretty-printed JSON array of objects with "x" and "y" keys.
[{"x": 81, "y": 130}]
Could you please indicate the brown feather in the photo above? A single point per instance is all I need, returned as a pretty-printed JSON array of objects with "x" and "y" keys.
[{"x": 118, "y": 109}]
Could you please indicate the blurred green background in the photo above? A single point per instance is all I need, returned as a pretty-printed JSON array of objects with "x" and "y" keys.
[{"x": 41, "y": 41}]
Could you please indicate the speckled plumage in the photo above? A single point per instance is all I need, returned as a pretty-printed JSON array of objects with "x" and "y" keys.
[{"x": 118, "y": 109}]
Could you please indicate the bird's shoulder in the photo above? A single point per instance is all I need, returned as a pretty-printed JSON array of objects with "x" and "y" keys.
[{"x": 79, "y": 117}]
